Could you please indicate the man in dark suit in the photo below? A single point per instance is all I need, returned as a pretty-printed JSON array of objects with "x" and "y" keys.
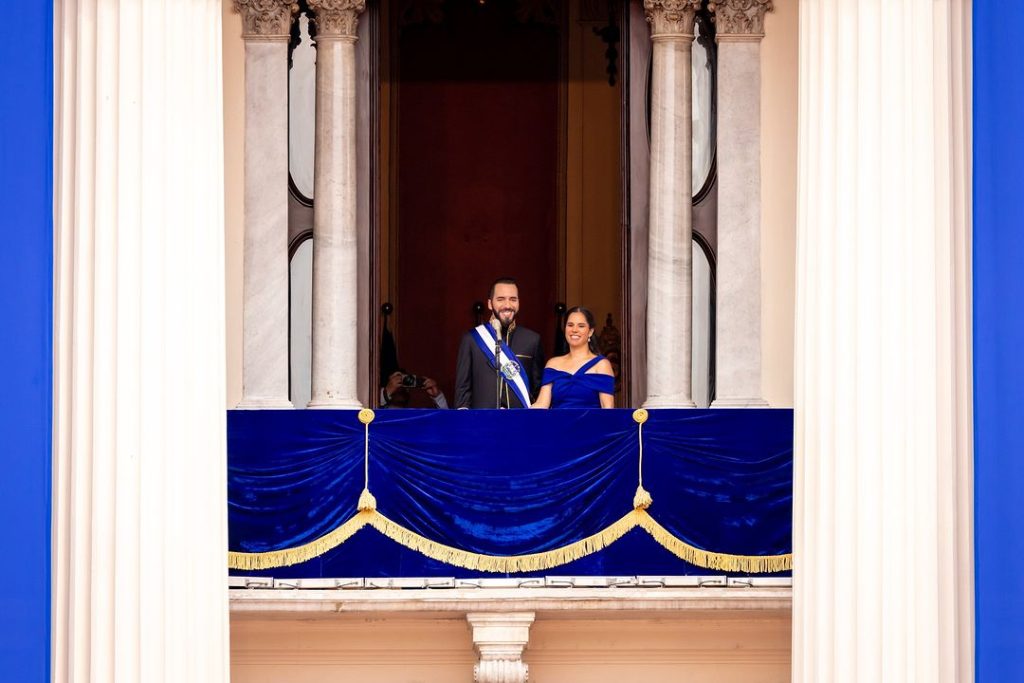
[{"x": 475, "y": 375}]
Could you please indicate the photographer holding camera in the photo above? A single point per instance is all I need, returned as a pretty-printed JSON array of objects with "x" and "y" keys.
[{"x": 395, "y": 394}]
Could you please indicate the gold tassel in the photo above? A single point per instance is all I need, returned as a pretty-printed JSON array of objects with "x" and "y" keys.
[
  {"x": 367, "y": 503},
  {"x": 642, "y": 500}
]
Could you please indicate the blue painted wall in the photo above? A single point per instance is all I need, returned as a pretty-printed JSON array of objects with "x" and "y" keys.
[
  {"x": 999, "y": 339},
  {"x": 26, "y": 227}
]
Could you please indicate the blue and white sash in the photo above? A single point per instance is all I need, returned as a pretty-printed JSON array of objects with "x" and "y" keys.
[{"x": 511, "y": 368}]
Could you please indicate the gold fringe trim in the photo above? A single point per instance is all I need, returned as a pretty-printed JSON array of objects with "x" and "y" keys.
[
  {"x": 506, "y": 564},
  {"x": 301, "y": 553},
  {"x": 751, "y": 564}
]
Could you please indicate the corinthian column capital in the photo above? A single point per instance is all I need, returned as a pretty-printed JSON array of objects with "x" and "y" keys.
[
  {"x": 266, "y": 19},
  {"x": 670, "y": 18},
  {"x": 740, "y": 18},
  {"x": 336, "y": 18}
]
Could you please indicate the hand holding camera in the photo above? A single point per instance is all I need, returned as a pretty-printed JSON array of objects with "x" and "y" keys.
[{"x": 413, "y": 381}]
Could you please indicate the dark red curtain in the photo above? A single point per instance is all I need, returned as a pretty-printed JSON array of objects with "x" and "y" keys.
[{"x": 477, "y": 149}]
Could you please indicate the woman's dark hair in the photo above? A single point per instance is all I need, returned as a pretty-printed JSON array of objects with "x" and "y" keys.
[{"x": 585, "y": 312}]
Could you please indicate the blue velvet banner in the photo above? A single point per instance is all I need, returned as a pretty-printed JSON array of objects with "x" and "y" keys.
[
  {"x": 26, "y": 346},
  {"x": 502, "y": 483},
  {"x": 998, "y": 242}
]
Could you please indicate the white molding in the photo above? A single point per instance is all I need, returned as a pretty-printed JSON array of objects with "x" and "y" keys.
[{"x": 332, "y": 603}]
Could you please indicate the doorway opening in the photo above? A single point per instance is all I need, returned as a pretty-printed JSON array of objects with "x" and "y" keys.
[{"x": 506, "y": 138}]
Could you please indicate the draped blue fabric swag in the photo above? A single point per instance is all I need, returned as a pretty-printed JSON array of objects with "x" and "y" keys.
[{"x": 509, "y": 483}]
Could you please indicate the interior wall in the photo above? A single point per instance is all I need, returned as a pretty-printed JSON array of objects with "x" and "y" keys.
[
  {"x": 700, "y": 647},
  {"x": 779, "y": 78},
  {"x": 234, "y": 208}
]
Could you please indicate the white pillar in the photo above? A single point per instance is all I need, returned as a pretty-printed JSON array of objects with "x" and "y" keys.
[
  {"x": 669, "y": 277},
  {"x": 882, "y": 491},
  {"x": 265, "y": 267},
  {"x": 499, "y": 639},
  {"x": 140, "y": 527},
  {"x": 739, "y": 26},
  {"x": 335, "y": 381}
]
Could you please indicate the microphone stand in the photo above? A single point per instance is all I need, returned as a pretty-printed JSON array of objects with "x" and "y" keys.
[{"x": 497, "y": 363}]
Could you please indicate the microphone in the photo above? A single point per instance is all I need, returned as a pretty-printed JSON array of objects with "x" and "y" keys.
[{"x": 496, "y": 325}]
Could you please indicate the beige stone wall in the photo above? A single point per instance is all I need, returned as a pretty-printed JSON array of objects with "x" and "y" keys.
[
  {"x": 234, "y": 177},
  {"x": 356, "y": 650},
  {"x": 778, "y": 196},
  {"x": 697, "y": 647},
  {"x": 703, "y": 647}
]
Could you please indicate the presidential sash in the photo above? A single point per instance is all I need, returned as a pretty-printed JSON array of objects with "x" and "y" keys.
[{"x": 511, "y": 369}]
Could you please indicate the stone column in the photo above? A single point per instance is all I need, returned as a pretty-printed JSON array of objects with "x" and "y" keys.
[
  {"x": 335, "y": 381},
  {"x": 882, "y": 481},
  {"x": 265, "y": 28},
  {"x": 499, "y": 638},
  {"x": 139, "y": 481},
  {"x": 739, "y": 29},
  {"x": 669, "y": 276}
]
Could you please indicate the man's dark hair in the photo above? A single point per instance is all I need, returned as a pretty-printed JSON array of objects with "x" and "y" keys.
[{"x": 501, "y": 281}]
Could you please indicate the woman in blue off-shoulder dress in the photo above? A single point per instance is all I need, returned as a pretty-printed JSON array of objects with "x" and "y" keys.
[{"x": 581, "y": 378}]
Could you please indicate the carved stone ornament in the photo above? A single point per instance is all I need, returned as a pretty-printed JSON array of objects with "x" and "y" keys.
[
  {"x": 671, "y": 17},
  {"x": 740, "y": 17},
  {"x": 336, "y": 18},
  {"x": 266, "y": 18},
  {"x": 499, "y": 638},
  {"x": 501, "y": 671}
]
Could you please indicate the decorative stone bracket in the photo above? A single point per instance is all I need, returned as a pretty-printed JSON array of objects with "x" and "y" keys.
[{"x": 499, "y": 639}]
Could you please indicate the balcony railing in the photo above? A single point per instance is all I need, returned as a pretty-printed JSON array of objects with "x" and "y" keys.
[{"x": 333, "y": 494}]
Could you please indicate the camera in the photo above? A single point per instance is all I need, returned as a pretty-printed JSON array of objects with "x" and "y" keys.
[{"x": 413, "y": 381}]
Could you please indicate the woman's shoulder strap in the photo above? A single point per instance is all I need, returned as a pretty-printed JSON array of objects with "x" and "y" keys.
[{"x": 590, "y": 363}]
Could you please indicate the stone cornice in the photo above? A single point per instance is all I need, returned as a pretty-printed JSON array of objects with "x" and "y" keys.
[
  {"x": 336, "y": 18},
  {"x": 740, "y": 18},
  {"x": 314, "y": 602},
  {"x": 266, "y": 19},
  {"x": 671, "y": 18}
]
